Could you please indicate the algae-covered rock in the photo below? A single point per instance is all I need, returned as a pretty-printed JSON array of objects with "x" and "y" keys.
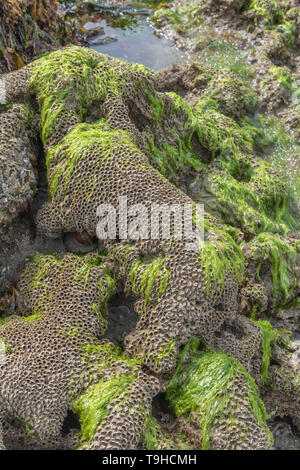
[
  {"x": 112, "y": 129},
  {"x": 17, "y": 161},
  {"x": 60, "y": 363},
  {"x": 273, "y": 263},
  {"x": 282, "y": 392},
  {"x": 217, "y": 32},
  {"x": 217, "y": 401}
]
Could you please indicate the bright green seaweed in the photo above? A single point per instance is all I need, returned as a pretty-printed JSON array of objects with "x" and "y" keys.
[{"x": 200, "y": 385}]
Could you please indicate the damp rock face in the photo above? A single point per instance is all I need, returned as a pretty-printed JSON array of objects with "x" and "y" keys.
[
  {"x": 17, "y": 160},
  {"x": 112, "y": 129},
  {"x": 211, "y": 391},
  {"x": 261, "y": 35},
  {"x": 54, "y": 362}
]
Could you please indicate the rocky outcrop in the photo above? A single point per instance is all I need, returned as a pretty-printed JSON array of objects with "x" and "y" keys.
[{"x": 112, "y": 129}]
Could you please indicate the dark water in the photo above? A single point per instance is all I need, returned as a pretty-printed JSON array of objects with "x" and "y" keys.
[{"x": 136, "y": 42}]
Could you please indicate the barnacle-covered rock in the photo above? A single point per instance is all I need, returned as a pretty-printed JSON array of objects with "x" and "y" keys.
[
  {"x": 201, "y": 288},
  {"x": 110, "y": 130},
  {"x": 157, "y": 437},
  {"x": 55, "y": 363},
  {"x": 217, "y": 401},
  {"x": 282, "y": 391},
  {"x": 17, "y": 159},
  {"x": 273, "y": 267}
]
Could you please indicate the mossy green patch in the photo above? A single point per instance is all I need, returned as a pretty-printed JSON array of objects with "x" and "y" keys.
[
  {"x": 150, "y": 274},
  {"x": 168, "y": 350},
  {"x": 41, "y": 268},
  {"x": 157, "y": 104},
  {"x": 91, "y": 404},
  {"x": 27, "y": 426},
  {"x": 201, "y": 385},
  {"x": 262, "y": 204},
  {"x": 277, "y": 16},
  {"x": 155, "y": 437},
  {"x": 91, "y": 407},
  {"x": 220, "y": 258},
  {"x": 281, "y": 257},
  {"x": 74, "y": 78},
  {"x": 269, "y": 336}
]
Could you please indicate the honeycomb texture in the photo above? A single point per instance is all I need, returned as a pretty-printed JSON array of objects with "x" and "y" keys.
[
  {"x": 16, "y": 437},
  {"x": 217, "y": 402},
  {"x": 17, "y": 157},
  {"x": 272, "y": 269},
  {"x": 53, "y": 356},
  {"x": 284, "y": 391},
  {"x": 118, "y": 144},
  {"x": 107, "y": 128},
  {"x": 159, "y": 269}
]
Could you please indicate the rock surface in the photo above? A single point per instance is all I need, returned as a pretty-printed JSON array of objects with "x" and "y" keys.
[{"x": 225, "y": 314}]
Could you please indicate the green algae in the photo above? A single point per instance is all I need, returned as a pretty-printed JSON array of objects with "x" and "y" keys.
[
  {"x": 92, "y": 403},
  {"x": 277, "y": 147},
  {"x": 155, "y": 437},
  {"x": 74, "y": 147},
  {"x": 27, "y": 426},
  {"x": 230, "y": 144},
  {"x": 168, "y": 350},
  {"x": 75, "y": 76},
  {"x": 91, "y": 407},
  {"x": 111, "y": 353},
  {"x": 279, "y": 17},
  {"x": 224, "y": 138},
  {"x": 217, "y": 133},
  {"x": 69, "y": 331},
  {"x": 5, "y": 320},
  {"x": 250, "y": 197},
  {"x": 222, "y": 55},
  {"x": 262, "y": 204},
  {"x": 283, "y": 76},
  {"x": 150, "y": 274},
  {"x": 151, "y": 433},
  {"x": 39, "y": 271},
  {"x": 170, "y": 160},
  {"x": 157, "y": 104},
  {"x": 172, "y": 15},
  {"x": 107, "y": 288},
  {"x": 282, "y": 258},
  {"x": 220, "y": 258},
  {"x": 269, "y": 335},
  {"x": 268, "y": 10},
  {"x": 33, "y": 318},
  {"x": 201, "y": 385},
  {"x": 229, "y": 94},
  {"x": 5, "y": 348}
]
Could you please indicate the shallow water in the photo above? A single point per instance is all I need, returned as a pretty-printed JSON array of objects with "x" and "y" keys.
[{"x": 137, "y": 42}]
